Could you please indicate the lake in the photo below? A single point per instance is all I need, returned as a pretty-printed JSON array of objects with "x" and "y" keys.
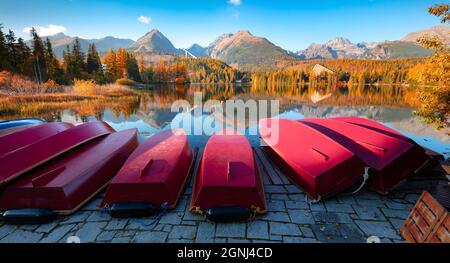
[{"x": 150, "y": 112}]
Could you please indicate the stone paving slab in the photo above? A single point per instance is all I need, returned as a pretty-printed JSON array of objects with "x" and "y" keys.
[{"x": 290, "y": 219}]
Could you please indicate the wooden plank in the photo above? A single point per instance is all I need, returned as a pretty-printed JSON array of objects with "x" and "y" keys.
[
  {"x": 423, "y": 225},
  {"x": 415, "y": 231},
  {"x": 262, "y": 172},
  {"x": 283, "y": 177},
  {"x": 275, "y": 178},
  {"x": 280, "y": 174},
  {"x": 422, "y": 211},
  {"x": 198, "y": 157},
  {"x": 441, "y": 232},
  {"x": 428, "y": 222},
  {"x": 433, "y": 204},
  {"x": 407, "y": 235}
]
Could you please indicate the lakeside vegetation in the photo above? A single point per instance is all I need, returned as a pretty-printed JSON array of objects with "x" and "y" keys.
[
  {"x": 85, "y": 98},
  {"x": 30, "y": 75}
]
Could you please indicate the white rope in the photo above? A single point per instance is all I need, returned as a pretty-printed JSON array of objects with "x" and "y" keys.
[
  {"x": 312, "y": 201},
  {"x": 366, "y": 177}
]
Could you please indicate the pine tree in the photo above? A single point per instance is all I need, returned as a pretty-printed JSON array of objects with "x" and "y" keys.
[
  {"x": 12, "y": 51},
  {"x": 133, "y": 68},
  {"x": 93, "y": 60},
  {"x": 149, "y": 74},
  {"x": 24, "y": 63},
  {"x": 67, "y": 62},
  {"x": 77, "y": 60},
  {"x": 39, "y": 65},
  {"x": 54, "y": 70},
  {"x": 4, "y": 61}
]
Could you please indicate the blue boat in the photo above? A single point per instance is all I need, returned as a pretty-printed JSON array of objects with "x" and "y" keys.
[{"x": 19, "y": 122}]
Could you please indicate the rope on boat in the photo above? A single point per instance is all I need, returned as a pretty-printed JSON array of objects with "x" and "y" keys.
[
  {"x": 312, "y": 201},
  {"x": 365, "y": 178},
  {"x": 105, "y": 210},
  {"x": 164, "y": 207}
]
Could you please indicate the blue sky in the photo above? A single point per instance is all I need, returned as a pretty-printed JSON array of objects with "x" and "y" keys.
[{"x": 292, "y": 24}]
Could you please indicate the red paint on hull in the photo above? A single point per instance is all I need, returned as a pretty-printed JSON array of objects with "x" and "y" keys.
[
  {"x": 5, "y": 132},
  {"x": 434, "y": 157},
  {"x": 228, "y": 175},
  {"x": 26, "y": 158},
  {"x": 375, "y": 126},
  {"x": 311, "y": 160},
  {"x": 24, "y": 137},
  {"x": 393, "y": 159},
  {"x": 155, "y": 173},
  {"x": 68, "y": 181}
]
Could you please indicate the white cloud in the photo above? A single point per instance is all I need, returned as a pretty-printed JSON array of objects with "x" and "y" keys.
[
  {"x": 234, "y": 2},
  {"x": 144, "y": 19},
  {"x": 46, "y": 30}
]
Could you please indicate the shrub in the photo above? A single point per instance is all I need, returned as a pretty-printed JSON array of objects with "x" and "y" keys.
[
  {"x": 14, "y": 84},
  {"x": 51, "y": 86},
  {"x": 85, "y": 87},
  {"x": 125, "y": 81}
]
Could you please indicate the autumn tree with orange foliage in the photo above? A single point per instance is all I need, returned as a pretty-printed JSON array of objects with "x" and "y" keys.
[{"x": 434, "y": 76}]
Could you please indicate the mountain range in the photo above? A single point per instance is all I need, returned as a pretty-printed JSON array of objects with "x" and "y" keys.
[
  {"x": 344, "y": 48},
  {"x": 243, "y": 48},
  {"x": 60, "y": 41}
]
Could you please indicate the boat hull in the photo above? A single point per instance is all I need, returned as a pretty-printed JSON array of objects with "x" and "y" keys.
[
  {"x": 7, "y": 131},
  {"x": 434, "y": 157},
  {"x": 19, "y": 122},
  {"x": 392, "y": 160},
  {"x": 155, "y": 173},
  {"x": 26, "y": 158},
  {"x": 375, "y": 126},
  {"x": 22, "y": 138},
  {"x": 228, "y": 181},
  {"x": 311, "y": 160},
  {"x": 65, "y": 183}
]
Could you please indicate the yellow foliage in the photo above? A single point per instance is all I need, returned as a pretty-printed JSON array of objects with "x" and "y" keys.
[
  {"x": 125, "y": 81},
  {"x": 434, "y": 77},
  {"x": 85, "y": 87}
]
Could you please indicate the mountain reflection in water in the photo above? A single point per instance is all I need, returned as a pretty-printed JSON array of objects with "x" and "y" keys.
[{"x": 151, "y": 110}]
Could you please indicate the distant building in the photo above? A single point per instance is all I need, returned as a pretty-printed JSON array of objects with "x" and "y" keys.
[{"x": 319, "y": 69}]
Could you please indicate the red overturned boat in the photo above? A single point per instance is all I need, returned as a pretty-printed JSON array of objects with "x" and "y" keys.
[
  {"x": 434, "y": 157},
  {"x": 375, "y": 126},
  {"x": 7, "y": 131},
  {"x": 65, "y": 183},
  {"x": 152, "y": 177},
  {"x": 378, "y": 127},
  {"x": 17, "y": 162},
  {"x": 314, "y": 162},
  {"x": 228, "y": 186},
  {"x": 392, "y": 159},
  {"x": 29, "y": 135}
]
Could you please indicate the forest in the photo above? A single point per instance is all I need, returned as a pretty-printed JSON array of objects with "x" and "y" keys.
[
  {"x": 35, "y": 62},
  {"x": 38, "y": 62}
]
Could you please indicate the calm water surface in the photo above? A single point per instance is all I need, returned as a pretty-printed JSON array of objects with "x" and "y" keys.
[{"x": 151, "y": 113}]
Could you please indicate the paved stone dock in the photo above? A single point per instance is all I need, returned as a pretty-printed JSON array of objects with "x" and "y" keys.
[{"x": 289, "y": 219}]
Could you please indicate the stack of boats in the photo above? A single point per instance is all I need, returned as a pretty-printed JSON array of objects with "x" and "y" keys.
[{"x": 48, "y": 169}]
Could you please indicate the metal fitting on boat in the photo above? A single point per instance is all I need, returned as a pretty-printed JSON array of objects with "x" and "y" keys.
[
  {"x": 126, "y": 210},
  {"x": 229, "y": 214},
  {"x": 27, "y": 216}
]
